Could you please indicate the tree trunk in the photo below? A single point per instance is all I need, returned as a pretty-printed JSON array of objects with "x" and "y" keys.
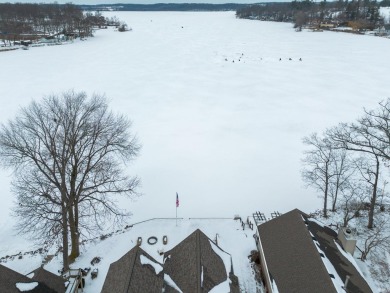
[
  {"x": 73, "y": 213},
  {"x": 373, "y": 198},
  {"x": 65, "y": 247},
  {"x": 336, "y": 193},
  {"x": 74, "y": 235},
  {"x": 345, "y": 221},
  {"x": 325, "y": 212}
]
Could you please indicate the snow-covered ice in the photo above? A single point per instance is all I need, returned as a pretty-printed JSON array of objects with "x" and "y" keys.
[{"x": 221, "y": 134}]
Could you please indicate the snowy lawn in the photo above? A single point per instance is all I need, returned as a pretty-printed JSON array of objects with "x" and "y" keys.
[{"x": 231, "y": 238}]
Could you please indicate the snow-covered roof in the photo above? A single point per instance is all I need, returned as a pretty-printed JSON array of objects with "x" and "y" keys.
[
  {"x": 335, "y": 262},
  {"x": 51, "y": 280},
  {"x": 197, "y": 264},
  {"x": 13, "y": 282},
  {"x": 302, "y": 256},
  {"x": 292, "y": 258},
  {"x": 136, "y": 271}
]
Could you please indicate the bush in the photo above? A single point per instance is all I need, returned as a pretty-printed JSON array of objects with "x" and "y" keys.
[{"x": 122, "y": 27}]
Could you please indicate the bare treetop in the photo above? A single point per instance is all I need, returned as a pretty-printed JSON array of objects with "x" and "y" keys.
[{"x": 68, "y": 153}]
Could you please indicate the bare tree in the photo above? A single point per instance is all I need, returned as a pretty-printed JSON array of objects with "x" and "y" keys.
[
  {"x": 67, "y": 153},
  {"x": 351, "y": 202},
  {"x": 343, "y": 169},
  {"x": 318, "y": 165},
  {"x": 377, "y": 238},
  {"x": 358, "y": 137},
  {"x": 301, "y": 19}
]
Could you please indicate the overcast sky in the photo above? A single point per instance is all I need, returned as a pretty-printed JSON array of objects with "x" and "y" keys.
[{"x": 135, "y": 1}]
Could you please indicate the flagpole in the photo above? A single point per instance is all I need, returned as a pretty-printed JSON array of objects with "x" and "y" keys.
[{"x": 177, "y": 204}]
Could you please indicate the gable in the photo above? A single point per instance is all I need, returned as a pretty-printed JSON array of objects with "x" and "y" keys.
[
  {"x": 128, "y": 274},
  {"x": 9, "y": 279},
  {"x": 51, "y": 280},
  {"x": 193, "y": 265}
]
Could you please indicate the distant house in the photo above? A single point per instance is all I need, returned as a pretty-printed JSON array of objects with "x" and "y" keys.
[
  {"x": 194, "y": 265},
  {"x": 13, "y": 282},
  {"x": 327, "y": 25},
  {"x": 387, "y": 29},
  {"x": 294, "y": 252}
]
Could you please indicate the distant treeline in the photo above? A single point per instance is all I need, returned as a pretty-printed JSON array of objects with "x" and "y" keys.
[
  {"x": 165, "y": 7},
  {"x": 32, "y": 21},
  {"x": 359, "y": 14}
]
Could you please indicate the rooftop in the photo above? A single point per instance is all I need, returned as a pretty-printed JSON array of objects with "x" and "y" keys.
[{"x": 302, "y": 256}]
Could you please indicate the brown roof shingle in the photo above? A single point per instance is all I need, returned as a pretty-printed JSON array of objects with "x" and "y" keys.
[
  {"x": 185, "y": 262},
  {"x": 292, "y": 259},
  {"x": 9, "y": 278},
  {"x": 129, "y": 275},
  {"x": 51, "y": 280}
]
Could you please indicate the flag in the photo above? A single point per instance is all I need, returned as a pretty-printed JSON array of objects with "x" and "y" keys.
[{"x": 177, "y": 200}]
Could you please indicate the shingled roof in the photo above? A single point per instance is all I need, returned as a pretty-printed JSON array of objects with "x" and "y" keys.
[
  {"x": 131, "y": 274},
  {"x": 292, "y": 259},
  {"x": 9, "y": 279},
  {"x": 51, "y": 280},
  {"x": 192, "y": 261}
]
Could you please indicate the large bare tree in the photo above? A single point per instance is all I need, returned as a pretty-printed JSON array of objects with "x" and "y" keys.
[
  {"x": 359, "y": 138},
  {"x": 68, "y": 153}
]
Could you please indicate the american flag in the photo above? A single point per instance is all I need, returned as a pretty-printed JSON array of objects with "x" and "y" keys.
[{"x": 177, "y": 200}]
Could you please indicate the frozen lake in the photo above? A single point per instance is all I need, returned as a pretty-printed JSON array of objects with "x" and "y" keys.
[{"x": 225, "y": 135}]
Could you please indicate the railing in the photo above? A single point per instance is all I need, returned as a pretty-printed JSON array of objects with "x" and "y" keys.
[
  {"x": 74, "y": 278},
  {"x": 259, "y": 218}
]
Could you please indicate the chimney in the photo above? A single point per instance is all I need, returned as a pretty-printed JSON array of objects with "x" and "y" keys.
[{"x": 347, "y": 238}]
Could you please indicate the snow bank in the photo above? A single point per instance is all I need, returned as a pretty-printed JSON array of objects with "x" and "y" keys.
[
  {"x": 221, "y": 288},
  {"x": 226, "y": 258},
  {"x": 26, "y": 286},
  {"x": 146, "y": 261},
  {"x": 171, "y": 283},
  {"x": 274, "y": 287}
]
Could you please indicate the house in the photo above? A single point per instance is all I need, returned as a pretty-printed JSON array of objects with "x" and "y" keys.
[
  {"x": 195, "y": 265},
  {"x": 387, "y": 28},
  {"x": 327, "y": 25},
  {"x": 299, "y": 255},
  {"x": 134, "y": 272},
  {"x": 13, "y": 282},
  {"x": 57, "y": 283}
]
